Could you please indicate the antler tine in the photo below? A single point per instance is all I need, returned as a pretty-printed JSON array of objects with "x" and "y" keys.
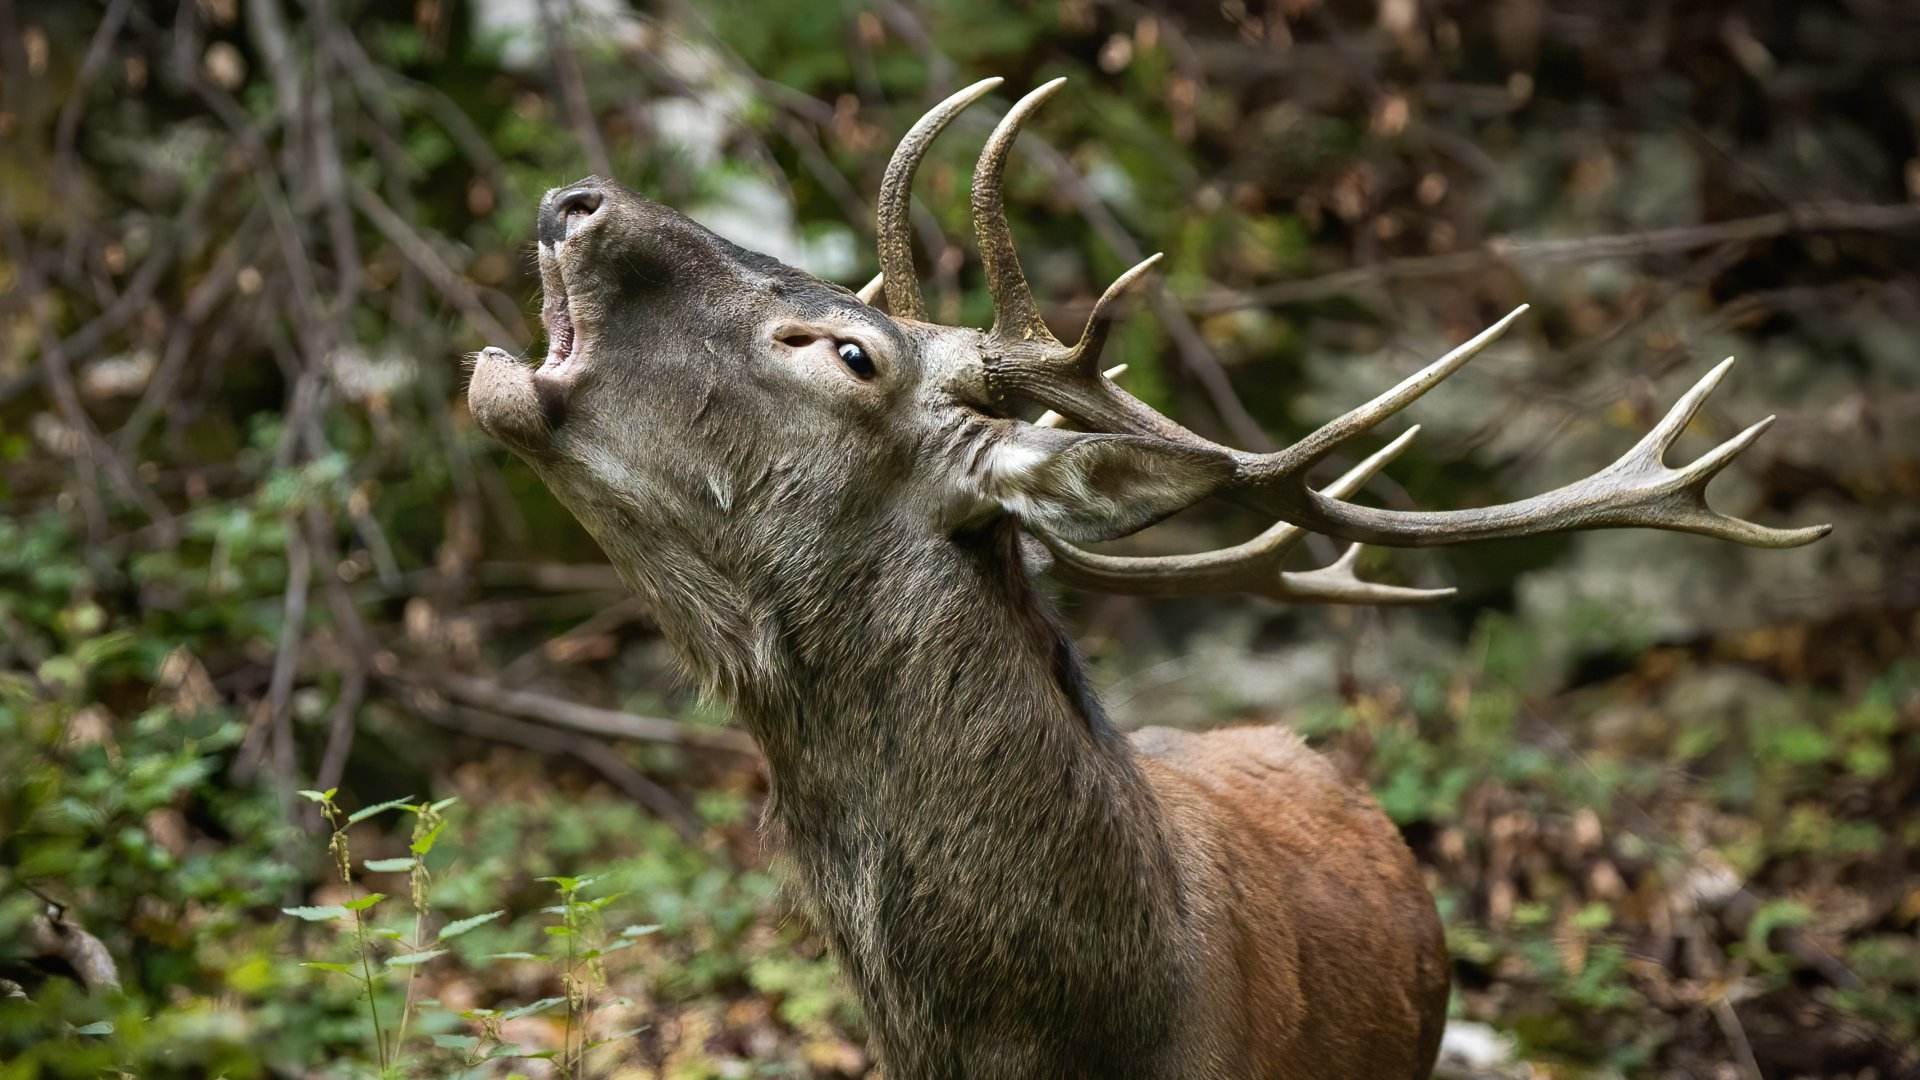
[
  {"x": 871, "y": 290},
  {"x": 1015, "y": 316},
  {"x": 891, "y": 226},
  {"x": 1298, "y": 458},
  {"x": 1336, "y": 583},
  {"x": 1100, "y": 319},
  {"x": 1252, "y": 567}
]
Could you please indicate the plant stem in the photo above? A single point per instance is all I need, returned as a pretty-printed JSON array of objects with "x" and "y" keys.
[
  {"x": 406, "y": 1001},
  {"x": 366, "y": 970},
  {"x": 343, "y": 860},
  {"x": 566, "y": 1040}
]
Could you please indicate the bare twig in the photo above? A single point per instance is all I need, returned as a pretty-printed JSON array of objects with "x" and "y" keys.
[
  {"x": 329, "y": 171},
  {"x": 58, "y": 372},
  {"x": 604, "y": 621},
  {"x": 1736, "y": 1034},
  {"x": 205, "y": 295},
  {"x": 533, "y": 705},
  {"x": 1816, "y": 218},
  {"x": 591, "y": 752},
  {"x": 133, "y": 299},
  {"x": 341, "y": 728},
  {"x": 99, "y": 51},
  {"x": 287, "y": 655},
  {"x": 416, "y": 250},
  {"x": 573, "y": 86}
]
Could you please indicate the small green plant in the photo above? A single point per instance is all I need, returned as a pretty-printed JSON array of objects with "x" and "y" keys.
[
  {"x": 578, "y": 943},
  {"x": 357, "y": 906},
  {"x": 582, "y": 927}
]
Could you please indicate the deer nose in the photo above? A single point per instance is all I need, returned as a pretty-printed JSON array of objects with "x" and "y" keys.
[{"x": 566, "y": 211}]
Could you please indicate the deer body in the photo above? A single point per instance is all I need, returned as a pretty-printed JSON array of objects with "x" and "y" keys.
[{"x": 826, "y": 507}]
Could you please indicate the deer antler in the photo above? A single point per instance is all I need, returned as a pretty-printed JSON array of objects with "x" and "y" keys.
[{"x": 1025, "y": 365}]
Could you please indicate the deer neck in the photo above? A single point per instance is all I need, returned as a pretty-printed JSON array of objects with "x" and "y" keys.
[
  {"x": 959, "y": 812},
  {"x": 940, "y": 671}
]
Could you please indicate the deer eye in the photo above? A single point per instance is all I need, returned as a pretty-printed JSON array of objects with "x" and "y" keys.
[{"x": 856, "y": 359}]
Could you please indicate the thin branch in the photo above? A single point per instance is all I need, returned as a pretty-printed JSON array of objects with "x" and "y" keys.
[
  {"x": 286, "y": 656},
  {"x": 590, "y": 752},
  {"x": 533, "y": 705},
  {"x": 341, "y": 727},
  {"x": 58, "y": 373},
  {"x": 1736, "y": 1034},
  {"x": 416, "y": 250},
  {"x": 1815, "y": 218},
  {"x": 573, "y": 86},
  {"x": 134, "y": 298}
]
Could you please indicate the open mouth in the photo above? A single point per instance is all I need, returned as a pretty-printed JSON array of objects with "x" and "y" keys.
[{"x": 564, "y": 348}]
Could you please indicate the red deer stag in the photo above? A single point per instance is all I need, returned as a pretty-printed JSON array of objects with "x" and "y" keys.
[{"x": 824, "y": 505}]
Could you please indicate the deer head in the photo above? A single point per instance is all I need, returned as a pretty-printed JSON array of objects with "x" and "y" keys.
[{"x": 711, "y": 413}]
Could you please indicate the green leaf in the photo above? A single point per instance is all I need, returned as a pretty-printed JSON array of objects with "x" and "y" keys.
[
  {"x": 388, "y": 866},
  {"x": 323, "y": 965},
  {"x": 558, "y": 931},
  {"x": 1595, "y": 916},
  {"x": 640, "y": 930},
  {"x": 460, "y": 926},
  {"x": 316, "y": 914},
  {"x": 1773, "y": 915},
  {"x": 365, "y": 902},
  {"x": 456, "y": 1042},
  {"x": 318, "y": 796},
  {"x": 444, "y": 803},
  {"x": 366, "y": 812},
  {"x": 413, "y": 958},
  {"x": 98, "y": 1027},
  {"x": 424, "y": 844},
  {"x": 530, "y": 1008},
  {"x": 511, "y": 956}
]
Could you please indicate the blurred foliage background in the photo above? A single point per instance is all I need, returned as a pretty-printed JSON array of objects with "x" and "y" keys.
[{"x": 1667, "y": 790}]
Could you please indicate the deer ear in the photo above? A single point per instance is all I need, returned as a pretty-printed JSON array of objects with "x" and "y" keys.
[{"x": 1083, "y": 487}]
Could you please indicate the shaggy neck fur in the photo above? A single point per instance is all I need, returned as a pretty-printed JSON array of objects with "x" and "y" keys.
[{"x": 975, "y": 840}]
